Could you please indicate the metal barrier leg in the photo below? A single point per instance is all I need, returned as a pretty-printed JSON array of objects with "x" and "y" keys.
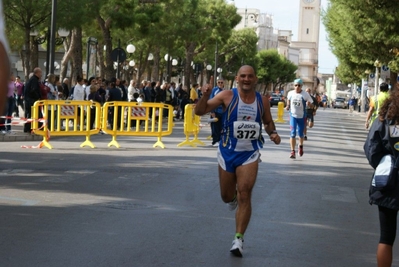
[
  {"x": 196, "y": 140},
  {"x": 45, "y": 143},
  {"x": 114, "y": 142},
  {"x": 87, "y": 142},
  {"x": 187, "y": 142},
  {"x": 159, "y": 143}
]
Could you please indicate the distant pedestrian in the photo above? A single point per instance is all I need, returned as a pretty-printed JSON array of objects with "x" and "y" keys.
[{"x": 352, "y": 104}]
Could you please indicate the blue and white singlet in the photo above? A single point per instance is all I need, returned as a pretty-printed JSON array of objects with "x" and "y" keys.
[{"x": 242, "y": 124}]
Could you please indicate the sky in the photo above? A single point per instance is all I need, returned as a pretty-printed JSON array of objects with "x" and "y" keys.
[{"x": 285, "y": 17}]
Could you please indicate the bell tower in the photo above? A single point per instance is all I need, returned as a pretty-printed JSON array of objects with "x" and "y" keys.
[
  {"x": 309, "y": 21},
  {"x": 308, "y": 42}
]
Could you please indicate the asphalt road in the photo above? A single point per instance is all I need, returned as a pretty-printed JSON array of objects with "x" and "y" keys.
[{"x": 143, "y": 206}]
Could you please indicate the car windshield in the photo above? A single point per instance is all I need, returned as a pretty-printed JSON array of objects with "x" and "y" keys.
[{"x": 340, "y": 99}]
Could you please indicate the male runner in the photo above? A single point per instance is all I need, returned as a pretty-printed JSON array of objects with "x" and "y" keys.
[
  {"x": 297, "y": 100},
  {"x": 244, "y": 112}
]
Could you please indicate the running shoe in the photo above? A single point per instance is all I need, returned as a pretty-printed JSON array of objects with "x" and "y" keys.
[
  {"x": 216, "y": 144},
  {"x": 237, "y": 247},
  {"x": 300, "y": 151},
  {"x": 292, "y": 154},
  {"x": 233, "y": 204},
  {"x": 305, "y": 138}
]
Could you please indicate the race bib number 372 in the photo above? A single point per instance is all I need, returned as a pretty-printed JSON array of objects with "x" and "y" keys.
[{"x": 246, "y": 130}]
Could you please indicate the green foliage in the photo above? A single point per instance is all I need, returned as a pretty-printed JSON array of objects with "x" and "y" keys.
[
  {"x": 240, "y": 49},
  {"x": 361, "y": 32},
  {"x": 274, "y": 68}
]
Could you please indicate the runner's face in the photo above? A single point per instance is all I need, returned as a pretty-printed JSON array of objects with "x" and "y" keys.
[{"x": 246, "y": 79}]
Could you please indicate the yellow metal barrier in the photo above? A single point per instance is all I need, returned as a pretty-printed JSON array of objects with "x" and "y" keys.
[
  {"x": 280, "y": 113},
  {"x": 191, "y": 127},
  {"x": 55, "y": 112},
  {"x": 137, "y": 119}
]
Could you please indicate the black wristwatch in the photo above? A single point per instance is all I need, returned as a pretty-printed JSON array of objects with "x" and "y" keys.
[{"x": 273, "y": 132}]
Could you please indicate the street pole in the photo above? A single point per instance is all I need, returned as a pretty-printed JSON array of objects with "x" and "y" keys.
[
  {"x": 216, "y": 65},
  {"x": 52, "y": 36},
  {"x": 376, "y": 81},
  {"x": 363, "y": 96},
  {"x": 168, "y": 69},
  {"x": 118, "y": 58}
]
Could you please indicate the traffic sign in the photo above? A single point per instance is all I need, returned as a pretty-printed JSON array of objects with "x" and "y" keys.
[
  {"x": 118, "y": 52},
  {"x": 384, "y": 68},
  {"x": 372, "y": 75}
]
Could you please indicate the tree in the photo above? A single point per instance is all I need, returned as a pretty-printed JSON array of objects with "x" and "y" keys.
[
  {"x": 24, "y": 18},
  {"x": 274, "y": 69},
  {"x": 361, "y": 32},
  {"x": 240, "y": 49}
]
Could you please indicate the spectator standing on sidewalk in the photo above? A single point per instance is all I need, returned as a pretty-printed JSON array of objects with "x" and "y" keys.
[
  {"x": 19, "y": 96},
  {"x": 10, "y": 104},
  {"x": 32, "y": 94},
  {"x": 381, "y": 140}
]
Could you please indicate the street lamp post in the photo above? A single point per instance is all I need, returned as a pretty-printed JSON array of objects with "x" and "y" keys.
[
  {"x": 208, "y": 68},
  {"x": 91, "y": 60},
  {"x": 167, "y": 59},
  {"x": 377, "y": 65},
  {"x": 150, "y": 58},
  {"x": 52, "y": 36},
  {"x": 216, "y": 64},
  {"x": 219, "y": 70},
  {"x": 131, "y": 64}
]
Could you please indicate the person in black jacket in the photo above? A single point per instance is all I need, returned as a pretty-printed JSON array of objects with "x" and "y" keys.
[
  {"x": 65, "y": 88},
  {"x": 31, "y": 95},
  {"x": 115, "y": 94},
  {"x": 383, "y": 139}
]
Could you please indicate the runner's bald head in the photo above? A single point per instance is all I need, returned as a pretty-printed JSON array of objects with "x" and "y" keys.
[{"x": 246, "y": 68}]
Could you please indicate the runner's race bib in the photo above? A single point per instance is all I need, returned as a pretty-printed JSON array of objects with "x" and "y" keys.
[{"x": 246, "y": 130}]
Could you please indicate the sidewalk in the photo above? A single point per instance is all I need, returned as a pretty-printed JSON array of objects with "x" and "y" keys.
[{"x": 17, "y": 133}]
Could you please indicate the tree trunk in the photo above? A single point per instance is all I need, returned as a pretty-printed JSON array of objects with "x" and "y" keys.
[
  {"x": 188, "y": 73},
  {"x": 76, "y": 54},
  {"x": 65, "y": 58},
  {"x": 155, "y": 66},
  {"x": 109, "y": 71}
]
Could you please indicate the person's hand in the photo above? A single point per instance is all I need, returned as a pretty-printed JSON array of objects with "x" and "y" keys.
[
  {"x": 207, "y": 88},
  {"x": 366, "y": 125},
  {"x": 275, "y": 138}
]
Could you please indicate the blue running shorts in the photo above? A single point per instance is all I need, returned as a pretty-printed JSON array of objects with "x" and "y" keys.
[
  {"x": 230, "y": 160},
  {"x": 294, "y": 123}
]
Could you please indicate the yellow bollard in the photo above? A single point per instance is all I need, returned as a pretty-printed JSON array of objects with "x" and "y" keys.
[{"x": 280, "y": 113}]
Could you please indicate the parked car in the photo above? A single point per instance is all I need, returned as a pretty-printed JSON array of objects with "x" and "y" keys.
[
  {"x": 275, "y": 98},
  {"x": 340, "y": 102}
]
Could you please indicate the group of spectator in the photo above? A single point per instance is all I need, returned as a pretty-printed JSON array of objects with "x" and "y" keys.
[{"x": 22, "y": 96}]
